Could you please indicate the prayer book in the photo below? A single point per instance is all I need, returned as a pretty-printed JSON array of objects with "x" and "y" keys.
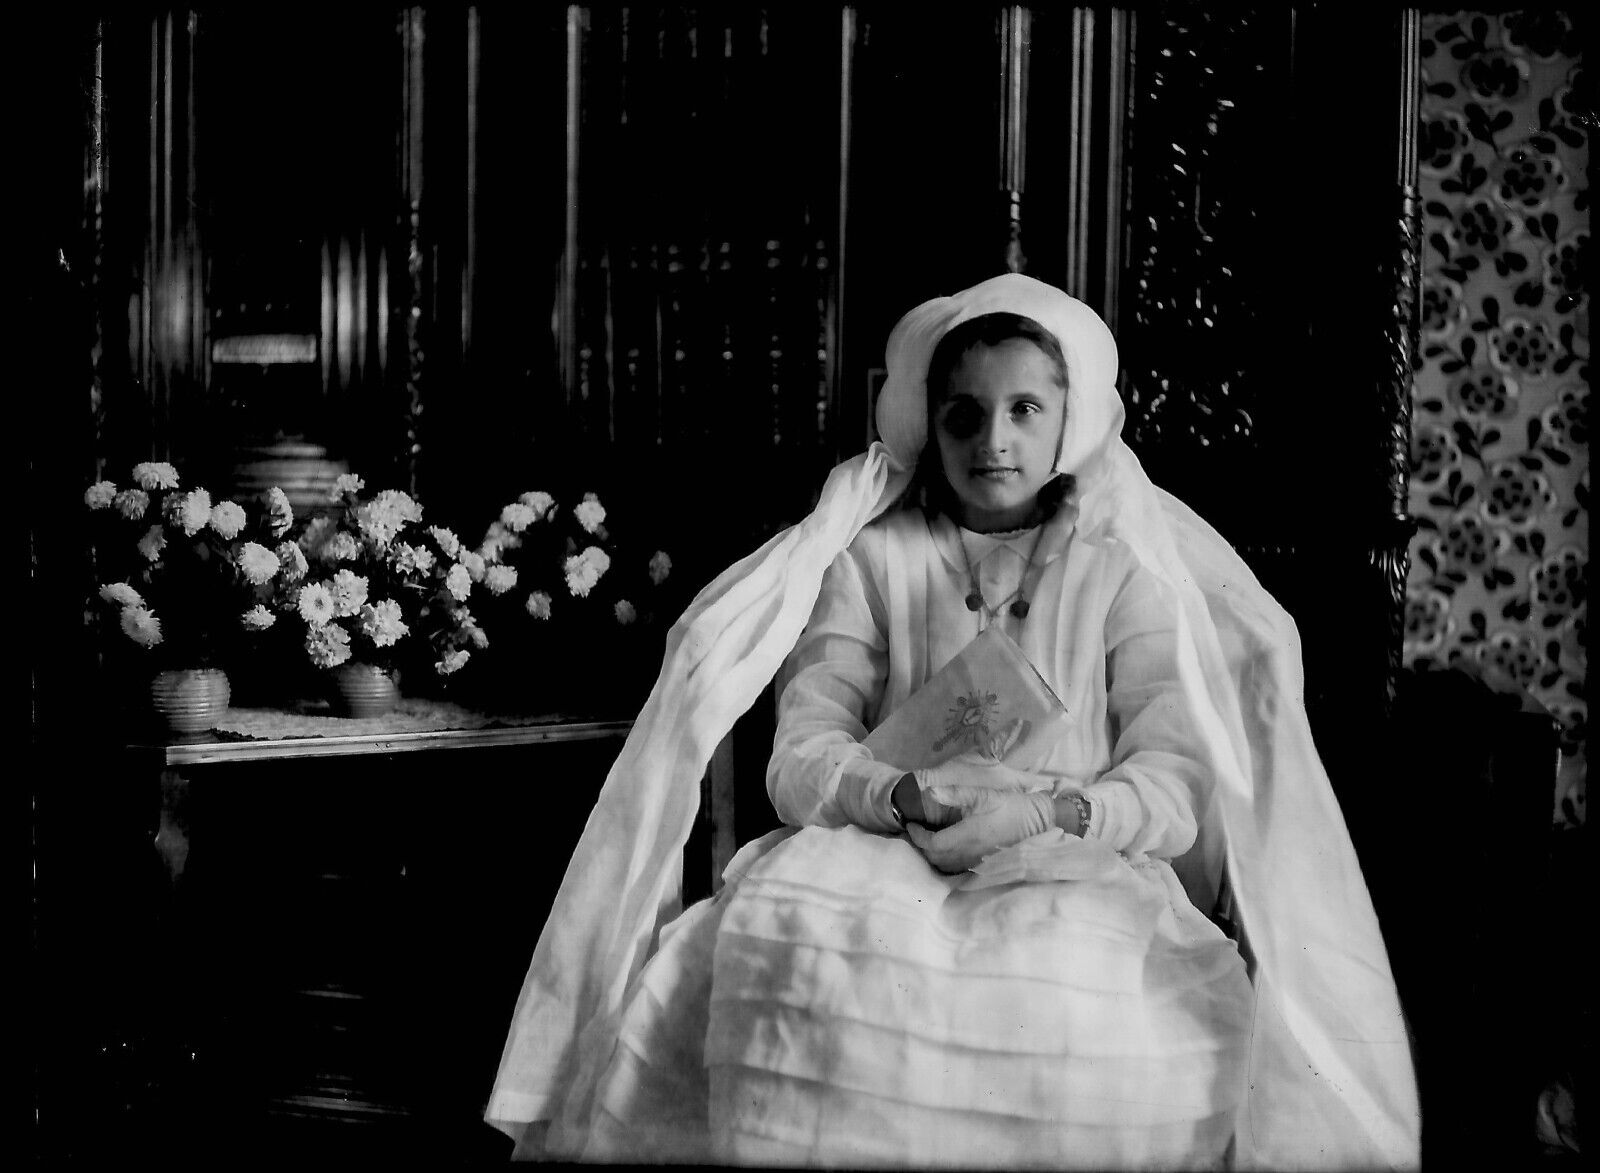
[{"x": 988, "y": 699}]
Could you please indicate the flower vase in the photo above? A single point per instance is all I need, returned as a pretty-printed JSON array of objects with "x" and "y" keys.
[
  {"x": 189, "y": 700},
  {"x": 365, "y": 690}
]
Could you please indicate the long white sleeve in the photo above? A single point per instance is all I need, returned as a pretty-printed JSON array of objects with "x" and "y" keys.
[
  {"x": 1145, "y": 803},
  {"x": 820, "y": 773}
]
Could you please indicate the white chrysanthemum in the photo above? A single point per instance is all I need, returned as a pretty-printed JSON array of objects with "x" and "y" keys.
[
  {"x": 328, "y": 645},
  {"x": 538, "y": 605},
  {"x": 291, "y": 562},
  {"x": 448, "y": 542},
  {"x": 518, "y": 517},
  {"x": 382, "y": 623},
  {"x": 473, "y": 563},
  {"x": 257, "y": 563},
  {"x": 582, "y": 575},
  {"x": 624, "y": 611},
  {"x": 153, "y": 542},
  {"x": 452, "y": 661},
  {"x": 589, "y": 512},
  {"x": 100, "y": 495},
  {"x": 596, "y": 557},
  {"x": 477, "y": 636},
  {"x": 155, "y": 474},
  {"x": 191, "y": 511},
  {"x": 410, "y": 559},
  {"x": 349, "y": 593},
  {"x": 132, "y": 503},
  {"x": 378, "y": 523},
  {"x": 227, "y": 519},
  {"x": 500, "y": 579},
  {"x": 342, "y": 547},
  {"x": 346, "y": 482},
  {"x": 315, "y": 603},
  {"x": 141, "y": 626},
  {"x": 401, "y": 503},
  {"x": 660, "y": 567},
  {"x": 280, "y": 514},
  {"x": 258, "y": 618},
  {"x": 386, "y": 515},
  {"x": 458, "y": 582},
  {"x": 541, "y": 503},
  {"x": 121, "y": 594}
]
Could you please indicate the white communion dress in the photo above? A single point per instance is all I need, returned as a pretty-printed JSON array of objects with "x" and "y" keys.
[
  {"x": 1066, "y": 1002},
  {"x": 840, "y": 1002}
]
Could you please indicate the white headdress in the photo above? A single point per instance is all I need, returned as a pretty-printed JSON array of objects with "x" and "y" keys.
[{"x": 1332, "y": 1084}]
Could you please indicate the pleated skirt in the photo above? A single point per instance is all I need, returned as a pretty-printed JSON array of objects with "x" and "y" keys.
[{"x": 840, "y": 1003}]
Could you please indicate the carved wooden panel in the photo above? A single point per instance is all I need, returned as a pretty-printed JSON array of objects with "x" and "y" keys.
[
  {"x": 705, "y": 240},
  {"x": 1267, "y": 312},
  {"x": 1209, "y": 93}
]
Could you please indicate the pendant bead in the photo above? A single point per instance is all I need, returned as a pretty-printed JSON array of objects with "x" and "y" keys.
[
  {"x": 974, "y": 601},
  {"x": 1020, "y": 608}
]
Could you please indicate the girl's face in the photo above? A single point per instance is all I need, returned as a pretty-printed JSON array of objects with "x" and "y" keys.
[{"x": 999, "y": 431}]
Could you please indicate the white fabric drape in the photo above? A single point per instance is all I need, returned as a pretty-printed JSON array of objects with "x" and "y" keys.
[{"x": 1331, "y": 1081}]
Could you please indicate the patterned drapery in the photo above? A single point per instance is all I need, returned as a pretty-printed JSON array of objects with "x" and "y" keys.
[{"x": 1500, "y": 444}]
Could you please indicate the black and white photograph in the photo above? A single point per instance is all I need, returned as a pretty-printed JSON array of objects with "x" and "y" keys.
[{"x": 807, "y": 586}]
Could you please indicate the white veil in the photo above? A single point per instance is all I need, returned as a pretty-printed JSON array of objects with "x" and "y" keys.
[{"x": 1331, "y": 1082}]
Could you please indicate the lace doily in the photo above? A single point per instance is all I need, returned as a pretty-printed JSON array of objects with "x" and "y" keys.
[{"x": 314, "y": 719}]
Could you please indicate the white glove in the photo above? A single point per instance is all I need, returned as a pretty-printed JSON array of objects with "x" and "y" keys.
[
  {"x": 956, "y": 783},
  {"x": 992, "y": 819}
]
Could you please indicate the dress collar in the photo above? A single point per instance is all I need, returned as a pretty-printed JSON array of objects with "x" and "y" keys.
[{"x": 1052, "y": 543}]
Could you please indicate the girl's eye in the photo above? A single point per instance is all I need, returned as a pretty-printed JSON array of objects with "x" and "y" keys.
[
  {"x": 962, "y": 420},
  {"x": 1026, "y": 408}
]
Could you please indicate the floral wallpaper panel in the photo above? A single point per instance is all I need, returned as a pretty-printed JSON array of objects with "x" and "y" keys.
[{"x": 1500, "y": 480}]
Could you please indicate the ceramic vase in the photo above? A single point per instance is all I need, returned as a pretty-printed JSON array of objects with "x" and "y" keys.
[
  {"x": 365, "y": 690},
  {"x": 189, "y": 700}
]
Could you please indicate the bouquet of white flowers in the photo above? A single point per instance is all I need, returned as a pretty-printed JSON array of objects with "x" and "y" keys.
[
  {"x": 372, "y": 584},
  {"x": 564, "y": 590},
  {"x": 189, "y": 580}
]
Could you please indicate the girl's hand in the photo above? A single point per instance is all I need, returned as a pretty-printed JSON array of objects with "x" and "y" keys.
[
  {"x": 993, "y": 819},
  {"x": 935, "y": 796},
  {"x": 956, "y": 783}
]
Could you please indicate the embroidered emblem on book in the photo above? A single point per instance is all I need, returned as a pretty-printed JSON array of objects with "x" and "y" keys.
[
  {"x": 968, "y": 720},
  {"x": 987, "y": 699}
]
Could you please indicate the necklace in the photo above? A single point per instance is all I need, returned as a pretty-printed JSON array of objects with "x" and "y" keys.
[{"x": 975, "y": 599}]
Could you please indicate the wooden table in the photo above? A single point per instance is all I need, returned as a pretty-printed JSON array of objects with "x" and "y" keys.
[
  {"x": 177, "y": 762},
  {"x": 321, "y": 1030}
]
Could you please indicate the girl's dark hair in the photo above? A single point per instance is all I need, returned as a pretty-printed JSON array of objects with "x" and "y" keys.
[
  {"x": 928, "y": 488},
  {"x": 987, "y": 330}
]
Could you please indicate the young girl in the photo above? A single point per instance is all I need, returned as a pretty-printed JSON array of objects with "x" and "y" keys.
[{"x": 969, "y": 965}]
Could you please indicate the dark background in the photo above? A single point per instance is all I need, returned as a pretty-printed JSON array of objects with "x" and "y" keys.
[{"x": 760, "y": 195}]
